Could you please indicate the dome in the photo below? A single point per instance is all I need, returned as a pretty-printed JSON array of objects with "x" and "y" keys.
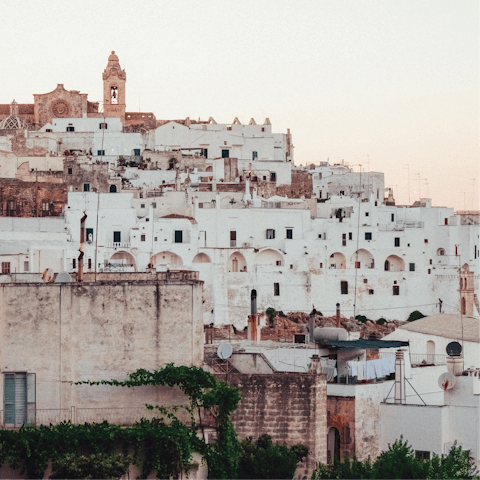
[{"x": 13, "y": 123}]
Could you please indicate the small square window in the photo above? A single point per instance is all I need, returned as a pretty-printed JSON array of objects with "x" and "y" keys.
[
  {"x": 396, "y": 290},
  {"x": 5, "y": 268},
  {"x": 254, "y": 155},
  {"x": 155, "y": 239},
  {"x": 279, "y": 263},
  {"x": 350, "y": 235},
  {"x": 101, "y": 152},
  {"x": 154, "y": 205},
  {"x": 289, "y": 233},
  {"x": 365, "y": 280},
  {"x": 368, "y": 235},
  {"x": 225, "y": 153},
  {"x": 426, "y": 240},
  {"x": 70, "y": 129},
  {"x": 147, "y": 220},
  {"x": 142, "y": 238},
  {"x": 412, "y": 267},
  {"x": 357, "y": 264},
  {"x": 342, "y": 192},
  {"x": 102, "y": 126},
  {"x": 270, "y": 234},
  {"x": 367, "y": 214},
  {"x": 429, "y": 271},
  {"x": 276, "y": 289},
  {"x": 321, "y": 265},
  {"x": 70, "y": 171},
  {"x": 142, "y": 205},
  {"x": 291, "y": 267},
  {"x": 370, "y": 292},
  {"x": 86, "y": 187}
]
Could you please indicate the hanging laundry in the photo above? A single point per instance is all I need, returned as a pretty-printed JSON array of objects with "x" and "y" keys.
[{"x": 353, "y": 366}]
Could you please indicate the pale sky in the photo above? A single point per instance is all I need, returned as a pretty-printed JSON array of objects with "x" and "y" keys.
[{"x": 392, "y": 85}]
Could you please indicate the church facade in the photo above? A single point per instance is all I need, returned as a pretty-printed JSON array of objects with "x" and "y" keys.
[{"x": 63, "y": 103}]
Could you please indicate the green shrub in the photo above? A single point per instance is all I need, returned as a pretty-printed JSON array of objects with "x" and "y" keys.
[
  {"x": 381, "y": 321},
  {"x": 97, "y": 465},
  {"x": 415, "y": 316}
]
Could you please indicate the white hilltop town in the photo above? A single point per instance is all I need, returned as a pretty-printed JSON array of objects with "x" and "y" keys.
[{"x": 222, "y": 222}]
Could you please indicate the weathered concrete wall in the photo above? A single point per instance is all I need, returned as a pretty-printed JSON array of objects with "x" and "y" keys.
[
  {"x": 95, "y": 174},
  {"x": 65, "y": 333},
  {"x": 301, "y": 185},
  {"x": 291, "y": 407},
  {"x": 341, "y": 415},
  {"x": 165, "y": 160}
]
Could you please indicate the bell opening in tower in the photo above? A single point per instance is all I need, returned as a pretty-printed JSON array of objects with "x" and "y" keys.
[{"x": 114, "y": 95}]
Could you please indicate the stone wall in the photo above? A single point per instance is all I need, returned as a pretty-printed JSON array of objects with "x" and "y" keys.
[
  {"x": 94, "y": 174},
  {"x": 19, "y": 146},
  {"x": 29, "y": 197},
  {"x": 290, "y": 407},
  {"x": 99, "y": 331},
  {"x": 301, "y": 186},
  {"x": 341, "y": 415}
]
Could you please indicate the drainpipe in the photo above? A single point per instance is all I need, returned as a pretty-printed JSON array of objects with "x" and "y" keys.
[
  {"x": 399, "y": 377},
  {"x": 338, "y": 316}
]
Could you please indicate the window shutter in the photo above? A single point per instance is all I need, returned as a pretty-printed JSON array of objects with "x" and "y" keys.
[
  {"x": 9, "y": 398},
  {"x": 31, "y": 398}
]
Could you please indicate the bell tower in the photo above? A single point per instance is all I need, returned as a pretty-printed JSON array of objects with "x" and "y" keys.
[{"x": 114, "y": 79}]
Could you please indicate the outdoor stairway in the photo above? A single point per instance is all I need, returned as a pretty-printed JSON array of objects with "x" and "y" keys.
[{"x": 218, "y": 364}]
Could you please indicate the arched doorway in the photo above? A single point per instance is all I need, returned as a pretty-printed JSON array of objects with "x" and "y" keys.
[
  {"x": 201, "y": 258},
  {"x": 122, "y": 261},
  {"x": 113, "y": 189},
  {"x": 166, "y": 259},
  {"x": 430, "y": 352},
  {"x": 337, "y": 261},
  {"x": 237, "y": 263},
  {"x": 269, "y": 257},
  {"x": 363, "y": 259},
  {"x": 333, "y": 444},
  {"x": 394, "y": 264}
]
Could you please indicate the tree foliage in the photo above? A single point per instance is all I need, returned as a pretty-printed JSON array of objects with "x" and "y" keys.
[
  {"x": 415, "y": 315},
  {"x": 400, "y": 461},
  {"x": 264, "y": 459}
]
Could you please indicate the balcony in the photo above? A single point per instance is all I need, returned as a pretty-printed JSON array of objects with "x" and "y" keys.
[
  {"x": 118, "y": 245},
  {"x": 425, "y": 359}
]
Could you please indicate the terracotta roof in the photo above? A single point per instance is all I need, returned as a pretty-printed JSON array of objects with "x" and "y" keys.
[{"x": 446, "y": 325}]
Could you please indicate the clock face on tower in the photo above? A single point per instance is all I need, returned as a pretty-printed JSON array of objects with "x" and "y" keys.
[{"x": 114, "y": 95}]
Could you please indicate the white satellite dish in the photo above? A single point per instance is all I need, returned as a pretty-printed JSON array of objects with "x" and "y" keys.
[
  {"x": 63, "y": 277},
  {"x": 224, "y": 350},
  {"x": 48, "y": 275},
  {"x": 446, "y": 381}
]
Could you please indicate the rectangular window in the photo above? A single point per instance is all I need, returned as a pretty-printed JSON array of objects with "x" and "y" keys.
[
  {"x": 276, "y": 289},
  {"x": 396, "y": 290},
  {"x": 273, "y": 176},
  {"x": 5, "y": 268},
  {"x": 89, "y": 234},
  {"x": 89, "y": 263},
  {"x": 154, "y": 204},
  {"x": 70, "y": 171},
  {"x": 344, "y": 239},
  {"x": 101, "y": 152},
  {"x": 45, "y": 206},
  {"x": 74, "y": 263},
  {"x": 86, "y": 187},
  {"x": 233, "y": 238},
  {"x": 254, "y": 155},
  {"x": 178, "y": 236},
  {"x": 342, "y": 192},
  {"x": 290, "y": 233},
  {"x": 26, "y": 266},
  {"x": 412, "y": 267},
  {"x": 321, "y": 265},
  {"x": 10, "y": 208},
  {"x": 142, "y": 205},
  {"x": 142, "y": 238},
  {"x": 320, "y": 194},
  {"x": 429, "y": 271},
  {"x": 48, "y": 130},
  {"x": 117, "y": 237},
  {"x": 102, "y": 126},
  {"x": 426, "y": 240},
  {"x": 270, "y": 234},
  {"x": 357, "y": 264},
  {"x": 430, "y": 261},
  {"x": 446, "y": 221},
  {"x": 367, "y": 214},
  {"x": 291, "y": 267},
  {"x": 225, "y": 153},
  {"x": 424, "y": 455},
  {"x": 70, "y": 129},
  {"x": 393, "y": 217},
  {"x": 370, "y": 292},
  {"x": 19, "y": 399},
  {"x": 344, "y": 288},
  {"x": 136, "y": 152},
  {"x": 205, "y": 152},
  {"x": 350, "y": 235},
  {"x": 278, "y": 263},
  {"x": 397, "y": 241},
  {"x": 368, "y": 235},
  {"x": 365, "y": 280}
]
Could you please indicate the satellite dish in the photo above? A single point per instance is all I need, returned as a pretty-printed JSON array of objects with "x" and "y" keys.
[
  {"x": 224, "y": 350},
  {"x": 48, "y": 275},
  {"x": 63, "y": 277},
  {"x": 454, "y": 349},
  {"x": 446, "y": 381}
]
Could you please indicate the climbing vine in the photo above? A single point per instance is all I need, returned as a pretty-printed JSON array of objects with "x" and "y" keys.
[{"x": 164, "y": 445}]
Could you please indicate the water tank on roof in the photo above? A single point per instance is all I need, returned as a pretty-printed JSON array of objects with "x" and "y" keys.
[{"x": 329, "y": 333}]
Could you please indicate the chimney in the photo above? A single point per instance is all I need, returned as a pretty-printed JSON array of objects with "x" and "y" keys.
[
  {"x": 311, "y": 327},
  {"x": 399, "y": 377},
  {"x": 315, "y": 365},
  {"x": 338, "y": 316}
]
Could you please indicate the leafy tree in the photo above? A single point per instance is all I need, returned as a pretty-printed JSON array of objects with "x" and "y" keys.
[
  {"x": 271, "y": 315},
  {"x": 264, "y": 459},
  {"x": 381, "y": 321},
  {"x": 415, "y": 316}
]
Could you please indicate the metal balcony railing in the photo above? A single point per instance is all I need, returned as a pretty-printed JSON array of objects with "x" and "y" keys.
[
  {"x": 118, "y": 245},
  {"x": 420, "y": 359}
]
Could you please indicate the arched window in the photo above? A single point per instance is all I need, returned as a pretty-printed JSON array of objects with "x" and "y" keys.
[
  {"x": 387, "y": 266},
  {"x": 464, "y": 306}
]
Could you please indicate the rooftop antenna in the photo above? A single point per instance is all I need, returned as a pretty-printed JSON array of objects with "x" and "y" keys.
[{"x": 408, "y": 173}]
